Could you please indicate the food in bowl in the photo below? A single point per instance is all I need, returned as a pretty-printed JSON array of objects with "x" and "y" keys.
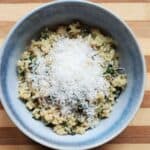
[{"x": 70, "y": 77}]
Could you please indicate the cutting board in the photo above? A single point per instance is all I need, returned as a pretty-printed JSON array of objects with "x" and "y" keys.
[{"x": 136, "y": 13}]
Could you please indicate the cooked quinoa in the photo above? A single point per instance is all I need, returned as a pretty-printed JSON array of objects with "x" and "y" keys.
[{"x": 70, "y": 77}]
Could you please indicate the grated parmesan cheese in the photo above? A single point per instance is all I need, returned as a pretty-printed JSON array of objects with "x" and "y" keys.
[{"x": 70, "y": 73}]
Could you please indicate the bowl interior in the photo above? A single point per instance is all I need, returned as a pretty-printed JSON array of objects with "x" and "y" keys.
[{"x": 61, "y": 13}]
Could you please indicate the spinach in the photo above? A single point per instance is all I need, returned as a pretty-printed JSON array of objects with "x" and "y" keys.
[
  {"x": 118, "y": 91},
  {"x": 114, "y": 71},
  {"x": 85, "y": 31},
  {"x": 110, "y": 70}
]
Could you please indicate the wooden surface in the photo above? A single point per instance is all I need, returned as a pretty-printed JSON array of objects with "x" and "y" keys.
[{"x": 137, "y": 14}]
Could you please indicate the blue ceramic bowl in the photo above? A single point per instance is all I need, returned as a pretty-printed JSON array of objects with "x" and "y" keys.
[{"x": 131, "y": 59}]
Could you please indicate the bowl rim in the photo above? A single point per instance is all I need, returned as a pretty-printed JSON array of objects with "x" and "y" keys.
[{"x": 35, "y": 138}]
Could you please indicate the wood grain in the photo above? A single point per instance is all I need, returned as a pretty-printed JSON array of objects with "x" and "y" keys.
[
  {"x": 5, "y": 26},
  {"x": 4, "y": 120},
  {"x": 147, "y": 60},
  {"x": 25, "y": 147},
  {"x": 141, "y": 118},
  {"x": 132, "y": 134},
  {"x": 140, "y": 28},
  {"x": 104, "y": 147},
  {"x": 122, "y": 9},
  {"x": 96, "y": 1},
  {"x": 136, "y": 13},
  {"x": 147, "y": 83},
  {"x": 124, "y": 147},
  {"x": 11, "y": 135},
  {"x": 1, "y": 41},
  {"x": 146, "y": 100}
]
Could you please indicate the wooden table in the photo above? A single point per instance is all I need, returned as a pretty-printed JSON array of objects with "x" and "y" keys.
[{"x": 137, "y": 14}]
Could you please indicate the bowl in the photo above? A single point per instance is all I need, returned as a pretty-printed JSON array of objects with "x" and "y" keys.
[{"x": 52, "y": 14}]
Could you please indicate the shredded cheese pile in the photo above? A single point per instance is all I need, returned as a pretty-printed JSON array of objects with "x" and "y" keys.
[{"x": 70, "y": 73}]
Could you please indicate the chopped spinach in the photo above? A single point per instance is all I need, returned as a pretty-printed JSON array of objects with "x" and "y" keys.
[
  {"x": 117, "y": 92},
  {"x": 110, "y": 70},
  {"x": 85, "y": 31},
  {"x": 113, "y": 71}
]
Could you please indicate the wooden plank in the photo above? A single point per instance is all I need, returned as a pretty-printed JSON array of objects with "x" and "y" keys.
[
  {"x": 142, "y": 118},
  {"x": 132, "y": 134},
  {"x": 1, "y": 107},
  {"x": 11, "y": 135},
  {"x": 146, "y": 100},
  {"x": 122, "y": 9},
  {"x": 140, "y": 28},
  {"x": 147, "y": 86},
  {"x": 1, "y": 41},
  {"x": 147, "y": 61},
  {"x": 31, "y": 1},
  {"x": 104, "y": 147},
  {"x": 4, "y": 120},
  {"x": 24, "y": 147},
  {"x": 5, "y": 26},
  {"x": 145, "y": 45},
  {"x": 124, "y": 147},
  {"x": 96, "y": 1},
  {"x": 18, "y": 10}
]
